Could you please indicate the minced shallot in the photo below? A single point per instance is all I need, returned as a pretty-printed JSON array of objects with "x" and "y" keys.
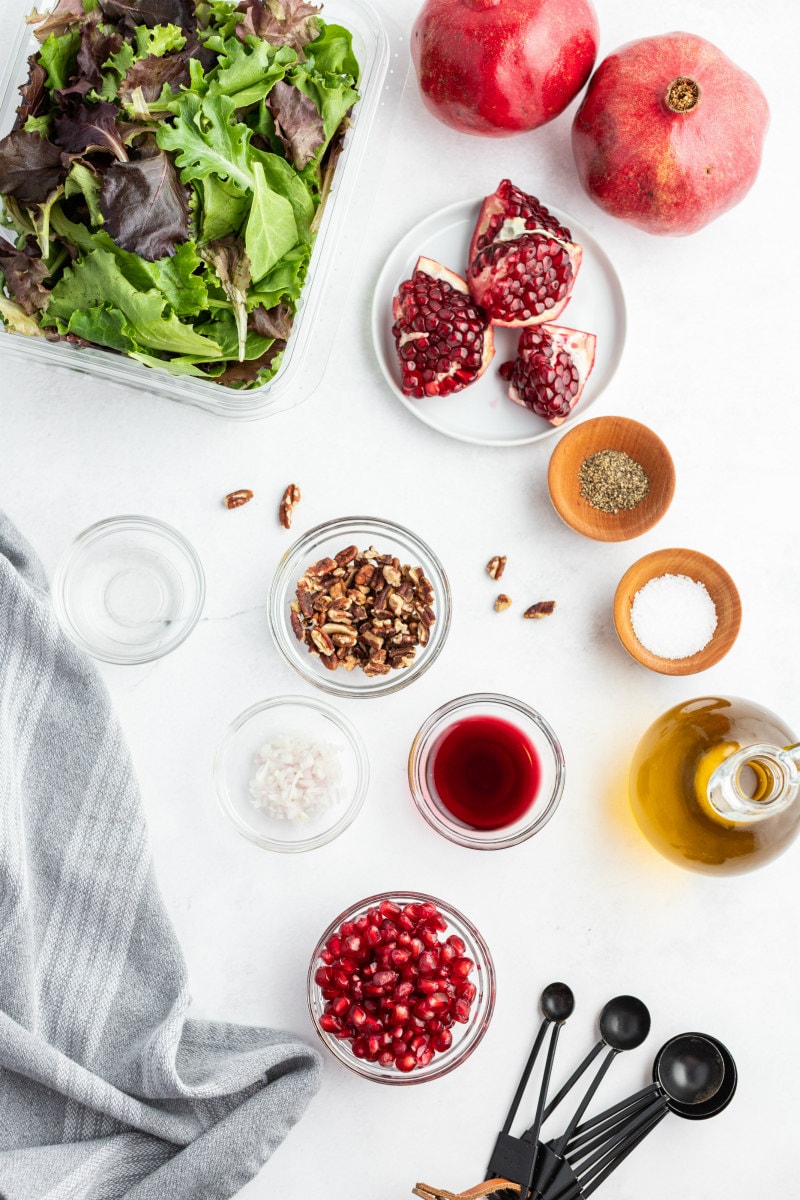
[{"x": 296, "y": 778}]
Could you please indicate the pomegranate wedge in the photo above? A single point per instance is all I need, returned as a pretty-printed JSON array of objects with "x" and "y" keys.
[
  {"x": 444, "y": 340},
  {"x": 522, "y": 262},
  {"x": 550, "y": 371}
]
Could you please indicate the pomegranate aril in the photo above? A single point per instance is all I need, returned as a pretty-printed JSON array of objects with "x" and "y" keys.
[
  {"x": 373, "y": 937},
  {"x": 399, "y": 956},
  {"x": 357, "y": 1015},
  {"x": 461, "y": 1011},
  {"x": 442, "y": 1040},
  {"x": 322, "y": 976},
  {"x": 402, "y": 1013},
  {"x": 386, "y": 1058},
  {"x": 330, "y": 1023},
  {"x": 334, "y": 945},
  {"x": 353, "y": 944},
  {"x": 427, "y": 962},
  {"x": 424, "y": 1056},
  {"x": 403, "y": 990},
  {"x": 467, "y": 991},
  {"x": 347, "y": 929},
  {"x": 399, "y": 1046},
  {"x": 340, "y": 1006},
  {"x": 438, "y": 1001},
  {"x": 359, "y": 1047},
  {"x": 456, "y": 943},
  {"x": 388, "y": 910},
  {"x": 462, "y": 968},
  {"x": 405, "y": 1062}
]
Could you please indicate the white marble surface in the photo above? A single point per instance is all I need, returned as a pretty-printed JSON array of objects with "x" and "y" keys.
[{"x": 708, "y": 364}]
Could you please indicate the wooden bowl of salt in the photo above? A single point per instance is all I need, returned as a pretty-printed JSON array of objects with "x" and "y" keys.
[
  {"x": 611, "y": 479},
  {"x": 677, "y": 611}
]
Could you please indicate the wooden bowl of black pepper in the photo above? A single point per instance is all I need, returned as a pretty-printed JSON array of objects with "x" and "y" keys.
[{"x": 611, "y": 479}]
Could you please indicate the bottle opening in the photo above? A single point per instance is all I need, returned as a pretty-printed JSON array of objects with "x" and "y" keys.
[{"x": 756, "y": 781}]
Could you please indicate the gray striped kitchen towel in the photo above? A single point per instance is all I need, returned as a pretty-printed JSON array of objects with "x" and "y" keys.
[{"x": 107, "y": 1089}]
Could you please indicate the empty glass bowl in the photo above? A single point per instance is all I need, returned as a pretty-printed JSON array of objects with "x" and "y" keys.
[
  {"x": 383, "y": 1021},
  {"x": 326, "y": 541},
  {"x": 486, "y": 771},
  {"x": 291, "y": 774},
  {"x": 129, "y": 590}
]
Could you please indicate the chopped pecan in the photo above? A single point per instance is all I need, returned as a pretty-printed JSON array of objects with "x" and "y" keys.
[
  {"x": 497, "y": 565},
  {"x": 238, "y": 498},
  {"x": 363, "y": 609},
  {"x": 502, "y": 603},
  {"x": 291, "y": 498},
  {"x": 542, "y": 609}
]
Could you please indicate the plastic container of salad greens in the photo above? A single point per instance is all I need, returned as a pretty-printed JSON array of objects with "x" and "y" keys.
[{"x": 314, "y": 324}]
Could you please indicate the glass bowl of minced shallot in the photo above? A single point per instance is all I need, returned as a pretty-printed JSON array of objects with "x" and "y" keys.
[{"x": 291, "y": 774}]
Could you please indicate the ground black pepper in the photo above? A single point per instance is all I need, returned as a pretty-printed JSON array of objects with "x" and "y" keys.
[{"x": 611, "y": 480}]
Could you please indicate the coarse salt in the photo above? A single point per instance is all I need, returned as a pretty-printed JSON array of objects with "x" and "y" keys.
[
  {"x": 673, "y": 616},
  {"x": 296, "y": 778}
]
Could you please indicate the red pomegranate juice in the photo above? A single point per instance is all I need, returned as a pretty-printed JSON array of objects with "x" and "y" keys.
[{"x": 485, "y": 772}]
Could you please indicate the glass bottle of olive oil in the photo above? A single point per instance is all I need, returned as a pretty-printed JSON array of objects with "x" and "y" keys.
[{"x": 715, "y": 785}]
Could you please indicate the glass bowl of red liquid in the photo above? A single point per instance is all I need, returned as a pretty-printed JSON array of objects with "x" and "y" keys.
[
  {"x": 486, "y": 771},
  {"x": 401, "y": 988}
]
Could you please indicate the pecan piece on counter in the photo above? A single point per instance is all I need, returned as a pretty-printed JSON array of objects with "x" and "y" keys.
[
  {"x": 363, "y": 609},
  {"x": 543, "y": 609},
  {"x": 502, "y": 602},
  {"x": 238, "y": 498},
  {"x": 291, "y": 498},
  {"x": 496, "y": 565}
]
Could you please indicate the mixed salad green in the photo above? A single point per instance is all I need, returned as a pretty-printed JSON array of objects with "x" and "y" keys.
[{"x": 165, "y": 178}]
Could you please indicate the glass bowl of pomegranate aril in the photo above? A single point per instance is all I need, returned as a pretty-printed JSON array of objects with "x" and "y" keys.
[
  {"x": 486, "y": 771},
  {"x": 401, "y": 988}
]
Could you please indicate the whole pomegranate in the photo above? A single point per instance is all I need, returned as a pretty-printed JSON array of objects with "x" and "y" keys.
[
  {"x": 499, "y": 67},
  {"x": 669, "y": 133}
]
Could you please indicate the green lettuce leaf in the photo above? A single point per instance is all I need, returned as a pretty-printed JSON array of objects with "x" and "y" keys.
[
  {"x": 158, "y": 41},
  {"x": 224, "y": 209},
  {"x": 247, "y": 70},
  {"x": 59, "y": 57},
  {"x": 271, "y": 229},
  {"x": 97, "y": 275},
  {"x": 206, "y": 140}
]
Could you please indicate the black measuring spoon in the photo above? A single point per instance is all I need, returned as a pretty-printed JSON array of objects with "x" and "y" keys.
[
  {"x": 511, "y": 1156},
  {"x": 695, "y": 1078},
  {"x": 624, "y": 1024}
]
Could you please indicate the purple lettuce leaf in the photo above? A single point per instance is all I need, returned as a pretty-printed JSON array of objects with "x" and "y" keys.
[
  {"x": 98, "y": 43},
  {"x": 34, "y": 94},
  {"x": 298, "y": 123},
  {"x": 31, "y": 167},
  {"x": 84, "y": 127},
  {"x": 65, "y": 13},
  {"x": 281, "y": 22},
  {"x": 271, "y": 322},
  {"x": 145, "y": 206},
  {"x": 151, "y": 12},
  {"x": 151, "y": 73},
  {"x": 25, "y": 273},
  {"x": 248, "y": 372}
]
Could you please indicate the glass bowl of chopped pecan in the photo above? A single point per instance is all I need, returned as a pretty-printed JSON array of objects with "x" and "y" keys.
[
  {"x": 291, "y": 773},
  {"x": 401, "y": 988},
  {"x": 360, "y": 606}
]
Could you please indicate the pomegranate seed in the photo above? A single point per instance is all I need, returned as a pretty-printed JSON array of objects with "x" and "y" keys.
[
  {"x": 339, "y": 1006},
  {"x": 467, "y": 991},
  {"x": 428, "y": 962},
  {"x": 457, "y": 944},
  {"x": 386, "y": 1058},
  {"x": 430, "y": 938},
  {"x": 384, "y": 979},
  {"x": 403, "y": 990},
  {"x": 347, "y": 929},
  {"x": 373, "y": 937},
  {"x": 402, "y": 1013},
  {"x": 357, "y": 1015},
  {"x": 373, "y": 916},
  {"x": 399, "y": 1047},
  {"x": 442, "y": 1040},
  {"x": 353, "y": 944},
  {"x": 330, "y": 1023},
  {"x": 399, "y": 957},
  {"x": 322, "y": 976},
  {"x": 405, "y": 1062},
  {"x": 388, "y": 910},
  {"x": 461, "y": 1011},
  {"x": 438, "y": 1001},
  {"x": 462, "y": 967},
  {"x": 424, "y": 1056},
  {"x": 327, "y": 956},
  {"x": 334, "y": 945}
]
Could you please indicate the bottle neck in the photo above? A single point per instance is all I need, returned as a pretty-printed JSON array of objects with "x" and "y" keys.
[{"x": 755, "y": 782}]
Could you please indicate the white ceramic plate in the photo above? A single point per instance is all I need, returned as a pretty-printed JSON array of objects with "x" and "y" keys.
[{"x": 482, "y": 413}]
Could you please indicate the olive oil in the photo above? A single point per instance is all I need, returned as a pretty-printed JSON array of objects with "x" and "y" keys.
[{"x": 715, "y": 785}]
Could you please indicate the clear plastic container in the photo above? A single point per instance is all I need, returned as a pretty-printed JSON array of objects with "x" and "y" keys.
[{"x": 314, "y": 326}]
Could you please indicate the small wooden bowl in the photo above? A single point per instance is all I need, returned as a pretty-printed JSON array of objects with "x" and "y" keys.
[
  {"x": 610, "y": 433},
  {"x": 702, "y": 569}
]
